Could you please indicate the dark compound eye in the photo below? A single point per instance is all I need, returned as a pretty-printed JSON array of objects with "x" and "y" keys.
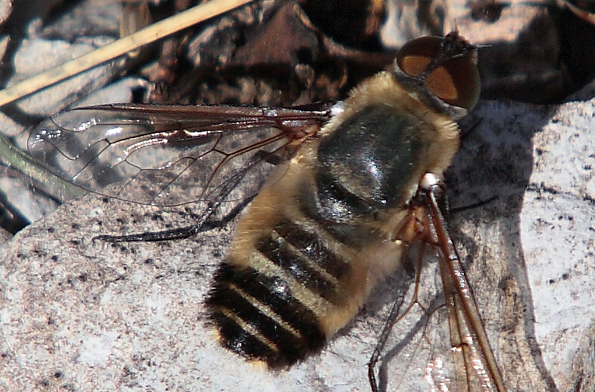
[{"x": 448, "y": 67}]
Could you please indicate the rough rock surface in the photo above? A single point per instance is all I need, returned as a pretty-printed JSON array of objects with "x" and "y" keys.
[
  {"x": 78, "y": 314},
  {"x": 91, "y": 316}
]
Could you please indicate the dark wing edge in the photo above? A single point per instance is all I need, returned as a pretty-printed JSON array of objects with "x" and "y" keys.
[{"x": 169, "y": 155}]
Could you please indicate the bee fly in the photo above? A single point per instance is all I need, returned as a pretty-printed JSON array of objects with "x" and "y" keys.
[{"x": 354, "y": 185}]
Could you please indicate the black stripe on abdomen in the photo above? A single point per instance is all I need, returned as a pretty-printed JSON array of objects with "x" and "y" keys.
[
  {"x": 311, "y": 246},
  {"x": 258, "y": 317}
]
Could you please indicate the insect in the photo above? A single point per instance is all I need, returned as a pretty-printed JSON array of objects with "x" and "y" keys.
[{"x": 350, "y": 188}]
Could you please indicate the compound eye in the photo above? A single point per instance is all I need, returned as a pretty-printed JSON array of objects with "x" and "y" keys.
[{"x": 454, "y": 80}]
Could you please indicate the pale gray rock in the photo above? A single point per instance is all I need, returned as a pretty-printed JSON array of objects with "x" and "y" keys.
[
  {"x": 5, "y": 9},
  {"x": 87, "y": 315},
  {"x": 83, "y": 315},
  {"x": 54, "y": 53}
]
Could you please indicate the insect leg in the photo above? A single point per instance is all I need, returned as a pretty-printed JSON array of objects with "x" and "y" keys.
[
  {"x": 204, "y": 221},
  {"x": 395, "y": 313},
  {"x": 393, "y": 316},
  {"x": 474, "y": 205},
  {"x": 179, "y": 233}
]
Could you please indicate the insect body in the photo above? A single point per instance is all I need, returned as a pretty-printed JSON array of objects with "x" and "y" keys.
[
  {"x": 338, "y": 214},
  {"x": 314, "y": 243}
]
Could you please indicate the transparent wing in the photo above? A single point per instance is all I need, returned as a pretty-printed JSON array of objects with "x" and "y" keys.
[
  {"x": 171, "y": 155},
  {"x": 461, "y": 358},
  {"x": 476, "y": 366},
  {"x": 434, "y": 338}
]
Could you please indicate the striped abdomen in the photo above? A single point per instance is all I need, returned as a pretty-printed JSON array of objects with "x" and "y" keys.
[{"x": 313, "y": 244}]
